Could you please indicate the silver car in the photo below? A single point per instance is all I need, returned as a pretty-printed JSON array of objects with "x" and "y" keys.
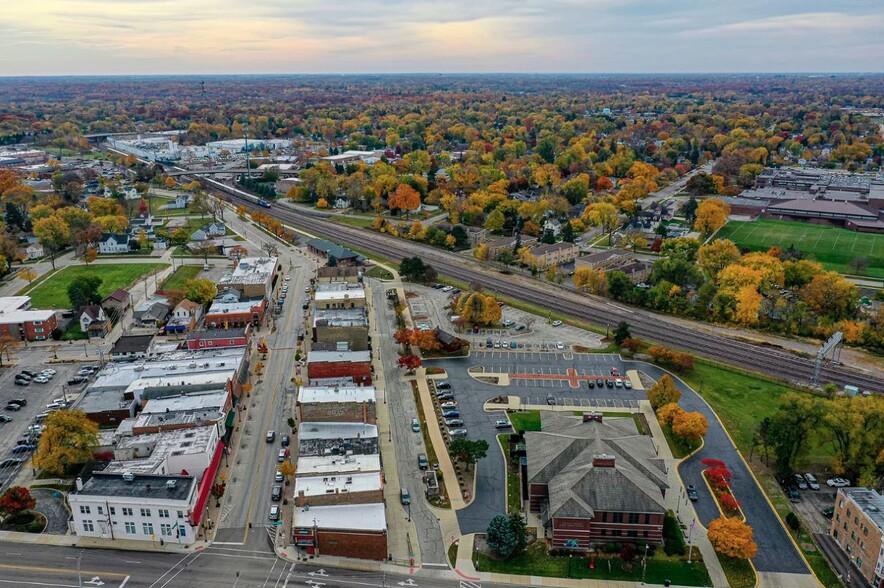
[{"x": 455, "y": 433}]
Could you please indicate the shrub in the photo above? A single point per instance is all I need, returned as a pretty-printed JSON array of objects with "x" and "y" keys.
[
  {"x": 674, "y": 543},
  {"x": 793, "y": 521}
]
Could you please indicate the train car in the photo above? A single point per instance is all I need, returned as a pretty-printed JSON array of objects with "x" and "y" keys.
[{"x": 263, "y": 203}]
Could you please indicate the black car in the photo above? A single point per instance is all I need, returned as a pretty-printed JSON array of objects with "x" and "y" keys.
[
  {"x": 77, "y": 380},
  {"x": 24, "y": 448},
  {"x": 5, "y": 418},
  {"x": 590, "y": 384},
  {"x": 609, "y": 383},
  {"x": 445, "y": 396},
  {"x": 284, "y": 440},
  {"x": 794, "y": 495},
  {"x": 276, "y": 493},
  {"x": 29, "y": 373},
  {"x": 19, "y": 401},
  {"x": 692, "y": 493},
  {"x": 600, "y": 382},
  {"x": 828, "y": 512},
  {"x": 443, "y": 386},
  {"x": 10, "y": 462},
  {"x": 551, "y": 400}
]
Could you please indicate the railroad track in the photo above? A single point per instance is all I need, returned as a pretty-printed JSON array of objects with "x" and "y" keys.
[{"x": 781, "y": 364}]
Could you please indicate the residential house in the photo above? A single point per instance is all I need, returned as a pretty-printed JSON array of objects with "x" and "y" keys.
[
  {"x": 151, "y": 314},
  {"x": 116, "y": 303},
  {"x": 112, "y": 243},
  {"x": 594, "y": 480},
  {"x": 34, "y": 251},
  {"x": 553, "y": 226},
  {"x": 131, "y": 347},
  {"x": 858, "y": 529},
  {"x": 216, "y": 229},
  {"x": 185, "y": 317},
  {"x": 94, "y": 321}
]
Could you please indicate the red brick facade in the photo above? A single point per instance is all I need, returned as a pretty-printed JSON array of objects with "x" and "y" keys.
[
  {"x": 238, "y": 319},
  {"x": 358, "y": 544},
  {"x": 337, "y": 412},
  {"x": 360, "y": 371},
  {"x": 30, "y": 330}
]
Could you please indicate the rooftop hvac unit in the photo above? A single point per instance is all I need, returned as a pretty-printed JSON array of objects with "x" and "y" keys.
[
  {"x": 129, "y": 476},
  {"x": 170, "y": 484}
]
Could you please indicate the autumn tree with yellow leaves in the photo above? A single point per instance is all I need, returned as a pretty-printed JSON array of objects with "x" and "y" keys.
[
  {"x": 732, "y": 538},
  {"x": 478, "y": 308},
  {"x": 711, "y": 215},
  {"x": 69, "y": 438}
]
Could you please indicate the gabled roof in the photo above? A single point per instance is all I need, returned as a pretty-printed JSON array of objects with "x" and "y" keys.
[
  {"x": 119, "y": 239},
  {"x": 118, "y": 295},
  {"x": 332, "y": 249},
  {"x": 93, "y": 311}
]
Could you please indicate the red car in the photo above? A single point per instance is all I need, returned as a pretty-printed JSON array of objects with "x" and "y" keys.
[{"x": 615, "y": 372}]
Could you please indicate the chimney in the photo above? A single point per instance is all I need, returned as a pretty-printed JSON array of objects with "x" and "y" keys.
[
  {"x": 601, "y": 460},
  {"x": 592, "y": 416},
  {"x": 79, "y": 484}
]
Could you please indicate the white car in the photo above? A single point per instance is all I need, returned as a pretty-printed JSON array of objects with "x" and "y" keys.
[
  {"x": 838, "y": 482},
  {"x": 557, "y": 323},
  {"x": 560, "y": 345},
  {"x": 49, "y": 371},
  {"x": 811, "y": 481},
  {"x": 288, "y": 278},
  {"x": 41, "y": 379}
]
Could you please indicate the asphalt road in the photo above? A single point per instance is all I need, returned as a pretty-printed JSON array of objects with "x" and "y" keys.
[
  {"x": 776, "y": 553},
  {"x": 215, "y": 567}
]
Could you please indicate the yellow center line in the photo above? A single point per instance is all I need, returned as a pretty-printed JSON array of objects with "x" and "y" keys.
[{"x": 59, "y": 570}]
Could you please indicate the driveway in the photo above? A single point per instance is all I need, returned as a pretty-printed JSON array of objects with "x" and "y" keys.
[
  {"x": 776, "y": 552},
  {"x": 52, "y": 504}
]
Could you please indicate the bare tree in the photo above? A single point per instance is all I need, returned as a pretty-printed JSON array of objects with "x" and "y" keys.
[
  {"x": 7, "y": 346},
  {"x": 271, "y": 249}
]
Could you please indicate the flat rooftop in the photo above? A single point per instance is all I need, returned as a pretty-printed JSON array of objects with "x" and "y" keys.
[
  {"x": 307, "y": 431},
  {"x": 318, "y": 394},
  {"x": 143, "y": 486},
  {"x": 337, "y": 484},
  {"x": 340, "y": 317},
  {"x": 336, "y": 464},
  {"x": 233, "y": 307},
  {"x": 186, "y": 402},
  {"x": 338, "y": 356},
  {"x": 361, "y": 517},
  {"x": 15, "y": 309},
  {"x": 871, "y": 503},
  {"x": 171, "y": 367}
]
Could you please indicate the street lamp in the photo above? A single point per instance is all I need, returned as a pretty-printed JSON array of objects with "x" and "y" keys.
[{"x": 645, "y": 563}]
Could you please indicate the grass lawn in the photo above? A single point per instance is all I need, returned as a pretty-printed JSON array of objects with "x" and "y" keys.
[
  {"x": 535, "y": 561},
  {"x": 181, "y": 275},
  {"x": 452, "y": 553},
  {"x": 156, "y": 204},
  {"x": 525, "y": 421},
  {"x": 74, "y": 333},
  {"x": 513, "y": 493},
  {"x": 379, "y": 273},
  {"x": 362, "y": 223},
  {"x": 834, "y": 247},
  {"x": 52, "y": 293},
  {"x": 739, "y": 572},
  {"x": 679, "y": 446}
]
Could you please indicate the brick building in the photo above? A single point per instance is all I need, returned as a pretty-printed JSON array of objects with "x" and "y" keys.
[
  {"x": 595, "y": 482},
  {"x": 347, "y": 530},
  {"x": 340, "y": 256},
  {"x": 217, "y": 338},
  {"x": 253, "y": 276},
  {"x": 345, "y": 325},
  {"x": 341, "y": 439},
  {"x": 348, "y": 274},
  {"x": 857, "y": 527},
  {"x": 18, "y": 321},
  {"x": 339, "y": 366},
  {"x": 236, "y": 314},
  {"x": 362, "y": 488},
  {"x": 337, "y": 404},
  {"x": 339, "y": 295},
  {"x": 546, "y": 255}
]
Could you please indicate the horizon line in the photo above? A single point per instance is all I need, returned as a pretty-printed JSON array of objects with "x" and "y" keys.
[{"x": 442, "y": 74}]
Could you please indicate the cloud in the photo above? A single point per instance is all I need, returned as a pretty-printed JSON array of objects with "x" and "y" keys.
[{"x": 828, "y": 23}]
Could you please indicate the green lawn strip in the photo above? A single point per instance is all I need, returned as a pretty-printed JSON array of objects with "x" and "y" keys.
[
  {"x": 679, "y": 446},
  {"x": 156, "y": 202},
  {"x": 513, "y": 493},
  {"x": 452, "y": 553},
  {"x": 379, "y": 273},
  {"x": 834, "y": 247},
  {"x": 739, "y": 572},
  {"x": 823, "y": 569},
  {"x": 535, "y": 561},
  {"x": 525, "y": 421},
  {"x": 53, "y": 292},
  {"x": 74, "y": 332},
  {"x": 362, "y": 223},
  {"x": 179, "y": 277}
]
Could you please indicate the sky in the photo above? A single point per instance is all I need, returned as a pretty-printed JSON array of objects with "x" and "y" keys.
[{"x": 76, "y": 37}]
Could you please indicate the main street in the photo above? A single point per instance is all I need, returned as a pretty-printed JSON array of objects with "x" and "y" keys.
[{"x": 214, "y": 567}]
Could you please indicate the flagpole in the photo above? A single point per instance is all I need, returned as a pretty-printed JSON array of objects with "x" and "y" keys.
[{"x": 690, "y": 538}]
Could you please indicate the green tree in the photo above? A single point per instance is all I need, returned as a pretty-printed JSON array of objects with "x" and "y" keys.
[
  {"x": 412, "y": 268},
  {"x": 568, "y": 234},
  {"x": 796, "y": 418},
  {"x": 689, "y": 209},
  {"x": 200, "y": 290},
  {"x": 680, "y": 247},
  {"x": 495, "y": 221},
  {"x": 621, "y": 333},
  {"x": 500, "y": 536},
  {"x": 619, "y": 285},
  {"x": 468, "y": 451},
  {"x": 68, "y": 439},
  {"x": 83, "y": 290},
  {"x": 53, "y": 233}
]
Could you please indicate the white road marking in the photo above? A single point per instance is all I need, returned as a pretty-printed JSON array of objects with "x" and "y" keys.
[{"x": 125, "y": 581}]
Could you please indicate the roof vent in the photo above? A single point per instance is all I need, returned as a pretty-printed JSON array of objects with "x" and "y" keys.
[
  {"x": 170, "y": 485},
  {"x": 129, "y": 476}
]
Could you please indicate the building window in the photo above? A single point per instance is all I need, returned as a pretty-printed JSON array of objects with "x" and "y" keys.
[
  {"x": 88, "y": 527},
  {"x": 645, "y": 534},
  {"x": 164, "y": 513},
  {"x": 859, "y": 563},
  {"x": 632, "y": 533},
  {"x": 127, "y": 511},
  {"x": 148, "y": 528},
  {"x": 85, "y": 509},
  {"x": 145, "y": 512},
  {"x": 38, "y": 330},
  {"x": 181, "y": 531},
  {"x": 618, "y": 517},
  {"x": 231, "y": 341},
  {"x": 130, "y": 528},
  {"x": 647, "y": 518},
  {"x": 604, "y": 532},
  {"x": 633, "y": 518},
  {"x": 616, "y": 533},
  {"x": 835, "y": 533},
  {"x": 165, "y": 529},
  {"x": 113, "y": 511},
  {"x": 604, "y": 517},
  {"x": 101, "y": 510}
]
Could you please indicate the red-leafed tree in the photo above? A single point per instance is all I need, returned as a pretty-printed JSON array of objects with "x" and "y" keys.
[
  {"x": 404, "y": 336},
  {"x": 15, "y": 500},
  {"x": 410, "y": 362},
  {"x": 728, "y": 501}
]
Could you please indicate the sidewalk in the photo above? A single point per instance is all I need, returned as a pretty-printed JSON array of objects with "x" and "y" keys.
[{"x": 97, "y": 543}]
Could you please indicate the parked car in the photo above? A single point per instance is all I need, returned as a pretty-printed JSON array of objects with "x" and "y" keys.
[
  {"x": 455, "y": 433},
  {"x": 507, "y": 323},
  {"x": 271, "y": 436},
  {"x": 280, "y": 457},
  {"x": 41, "y": 380},
  {"x": 444, "y": 395},
  {"x": 5, "y": 418},
  {"x": 454, "y": 422},
  {"x": 415, "y": 425},
  {"x": 404, "y": 496},
  {"x": 811, "y": 481},
  {"x": 800, "y": 481},
  {"x": 29, "y": 373},
  {"x": 276, "y": 494},
  {"x": 448, "y": 405},
  {"x": 618, "y": 382},
  {"x": 559, "y": 345},
  {"x": 277, "y": 477},
  {"x": 422, "y": 461},
  {"x": 557, "y": 323},
  {"x": 627, "y": 383},
  {"x": 692, "y": 492},
  {"x": 284, "y": 440},
  {"x": 443, "y": 385},
  {"x": 590, "y": 384},
  {"x": 609, "y": 383},
  {"x": 502, "y": 424},
  {"x": 77, "y": 380},
  {"x": 24, "y": 376},
  {"x": 793, "y": 494},
  {"x": 49, "y": 371},
  {"x": 274, "y": 512},
  {"x": 56, "y": 405},
  {"x": 615, "y": 372},
  {"x": 551, "y": 400},
  {"x": 828, "y": 512},
  {"x": 10, "y": 462},
  {"x": 451, "y": 414},
  {"x": 19, "y": 401},
  {"x": 838, "y": 482},
  {"x": 13, "y": 407},
  {"x": 24, "y": 448},
  {"x": 22, "y": 382},
  {"x": 600, "y": 383}
]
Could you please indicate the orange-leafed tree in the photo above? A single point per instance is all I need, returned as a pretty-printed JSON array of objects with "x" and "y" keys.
[
  {"x": 663, "y": 392},
  {"x": 667, "y": 413},
  {"x": 748, "y": 305},
  {"x": 690, "y": 426},
  {"x": 732, "y": 538},
  {"x": 711, "y": 215},
  {"x": 404, "y": 198}
]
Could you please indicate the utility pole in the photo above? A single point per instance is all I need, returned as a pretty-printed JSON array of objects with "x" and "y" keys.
[{"x": 79, "y": 574}]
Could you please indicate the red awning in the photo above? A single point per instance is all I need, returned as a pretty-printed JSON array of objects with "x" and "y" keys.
[{"x": 205, "y": 488}]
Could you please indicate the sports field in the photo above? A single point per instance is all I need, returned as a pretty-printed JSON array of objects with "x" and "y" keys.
[{"x": 832, "y": 246}]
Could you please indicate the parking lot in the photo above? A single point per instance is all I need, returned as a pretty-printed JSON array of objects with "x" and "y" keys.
[{"x": 37, "y": 396}]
